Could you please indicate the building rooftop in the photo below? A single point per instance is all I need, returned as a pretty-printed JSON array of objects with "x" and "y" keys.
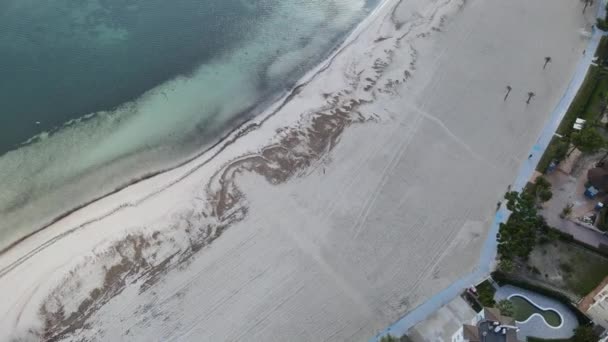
[
  {"x": 493, "y": 314},
  {"x": 443, "y": 323},
  {"x": 495, "y": 327},
  {"x": 488, "y": 333},
  {"x": 471, "y": 333},
  {"x": 598, "y": 177}
]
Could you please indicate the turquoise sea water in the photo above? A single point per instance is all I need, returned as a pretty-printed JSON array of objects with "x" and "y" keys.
[
  {"x": 97, "y": 92},
  {"x": 62, "y": 59}
]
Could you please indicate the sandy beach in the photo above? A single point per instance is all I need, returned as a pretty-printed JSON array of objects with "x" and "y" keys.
[{"x": 345, "y": 205}]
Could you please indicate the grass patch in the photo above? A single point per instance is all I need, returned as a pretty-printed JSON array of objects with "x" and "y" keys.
[
  {"x": 592, "y": 112},
  {"x": 587, "y": 105},
  {"x": 602, "y": 51},
  {"x": 587, "y": 271},
  {"x": 577, "y": 109},
  {"x": 486, "y": 291},
  {"x": 580, "y": 102},
  {"x": 568, "y": 266},
  {"x": 556, "y": 150}
]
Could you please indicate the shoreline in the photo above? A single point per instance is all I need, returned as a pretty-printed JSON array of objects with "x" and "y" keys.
[
  {"x": 173, "y": 175},
  {"x": 336, "y": 189},
  {"x": 252, "y": 118}
]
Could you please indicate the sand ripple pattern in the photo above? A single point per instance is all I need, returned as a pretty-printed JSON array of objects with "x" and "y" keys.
[{"x": 142, "y": 260}]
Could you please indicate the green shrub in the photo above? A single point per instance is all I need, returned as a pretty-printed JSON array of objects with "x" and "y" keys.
[
  {"x": 602, "y": 50},
  {"x": 602, "y": 24},
  {"x": 517, "y": 237},
  {"x": 556, "y": 152},
  {"x": 506, "y": 265},
  {"x": 506, "y": 307},
  {"x": 585, "y": 333},
  {"x": 581, "y": 100},
  {"x": 389, "y": 338},
  {"x": 485, "y": 292}
]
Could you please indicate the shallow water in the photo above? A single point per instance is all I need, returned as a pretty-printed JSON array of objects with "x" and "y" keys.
[
  {"x": 104, "y": 91},
  {"x": 64, "y": 58}
]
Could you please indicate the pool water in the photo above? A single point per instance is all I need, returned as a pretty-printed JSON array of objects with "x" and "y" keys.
[{"x": 523, "y": 309}]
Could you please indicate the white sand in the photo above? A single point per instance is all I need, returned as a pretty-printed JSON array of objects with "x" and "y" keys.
[
  {"x": 168, "y": 124},
  {"x": 360, "y": 233}
]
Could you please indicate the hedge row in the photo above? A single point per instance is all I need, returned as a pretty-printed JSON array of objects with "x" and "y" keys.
[{"x": 503, "y": 278}]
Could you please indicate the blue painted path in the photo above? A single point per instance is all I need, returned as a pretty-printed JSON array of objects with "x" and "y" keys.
[{"x": 488, "y": 253}]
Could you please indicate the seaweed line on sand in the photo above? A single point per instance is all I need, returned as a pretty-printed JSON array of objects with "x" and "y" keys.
[
  {"x": 296, "y": 151},
  {"x": 141, "y": 260}
]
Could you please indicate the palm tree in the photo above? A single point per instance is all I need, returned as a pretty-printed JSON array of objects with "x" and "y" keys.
[
  {"x": 508, "y": 91},
  {"x": 547, "y": 60},
  {"x": 530, "y": 96}
]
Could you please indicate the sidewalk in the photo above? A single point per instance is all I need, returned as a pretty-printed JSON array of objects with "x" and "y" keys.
[{"x": 582, "y": 234}]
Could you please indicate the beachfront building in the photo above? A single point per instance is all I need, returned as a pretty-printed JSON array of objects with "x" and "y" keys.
[
  {"x": 493, "y": 327},
  {"x": 457, "y": 322},
  {"x": 595, "y": 304},
  {"x": 598, "y": 311},
  {"x": 445, "y": 324}
]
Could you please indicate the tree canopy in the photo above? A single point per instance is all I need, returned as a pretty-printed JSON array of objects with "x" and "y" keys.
[
  {"x": 585, "y": 333},
  {"x": 542, "y": 189},
  {"x": 505, "y": 307},
  {"x": 517, "y": 237},
  {"x": 588, "y": 140}
]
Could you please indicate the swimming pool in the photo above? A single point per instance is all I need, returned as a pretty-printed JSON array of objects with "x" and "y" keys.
[{"x": 524, "y": 309}]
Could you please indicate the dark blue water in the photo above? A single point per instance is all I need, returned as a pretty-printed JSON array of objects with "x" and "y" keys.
[{"x": 62, "y": 59}]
